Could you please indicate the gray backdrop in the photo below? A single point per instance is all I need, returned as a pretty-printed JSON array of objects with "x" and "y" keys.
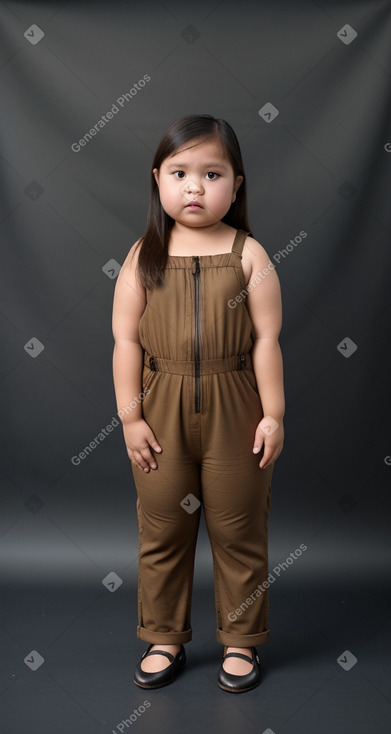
[{"x": 306, "y": 87}]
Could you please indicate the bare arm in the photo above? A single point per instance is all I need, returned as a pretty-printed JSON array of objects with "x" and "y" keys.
[
  {"x": 268, "y": 368},
  {"x": 128, "y": 306},
  {"x": 265, "y": 308}
]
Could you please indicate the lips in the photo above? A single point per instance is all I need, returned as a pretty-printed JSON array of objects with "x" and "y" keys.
[{"x": 194, "y": 203}]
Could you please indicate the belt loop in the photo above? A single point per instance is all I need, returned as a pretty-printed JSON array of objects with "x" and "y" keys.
[
  {"x": 152, "y": 363},
  {"x": 242, "y": 361}
]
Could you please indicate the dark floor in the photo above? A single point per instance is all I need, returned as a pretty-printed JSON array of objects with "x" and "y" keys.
[{"x": 87, "y": 638}]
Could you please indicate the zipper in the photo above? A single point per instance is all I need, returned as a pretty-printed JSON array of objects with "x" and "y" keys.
[{"x": 197, "y": 334}]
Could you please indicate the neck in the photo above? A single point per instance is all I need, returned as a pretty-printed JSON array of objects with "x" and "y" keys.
[{"x": 201, "y": 233}]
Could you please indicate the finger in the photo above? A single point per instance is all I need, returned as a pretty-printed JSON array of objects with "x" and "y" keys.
[
  {"x": 258, "y": 441},
  {"x": 149, "y": 458},
  {"x": 152, "y": 441},
  {"x": 266, "y": 458},
  {"x": 139, "y": 459},
  {"x": 136, "y": 464}
]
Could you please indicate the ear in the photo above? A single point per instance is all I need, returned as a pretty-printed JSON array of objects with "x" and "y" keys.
[
  {"x": 238, "y": 181},
  {"x": 155, "y": 172}
]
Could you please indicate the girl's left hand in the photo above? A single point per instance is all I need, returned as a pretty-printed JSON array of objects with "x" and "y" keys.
[{"x": 270, "y": 434}]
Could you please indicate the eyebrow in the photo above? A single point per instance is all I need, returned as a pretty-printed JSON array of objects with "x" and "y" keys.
[{"x": 206, "y": 165}]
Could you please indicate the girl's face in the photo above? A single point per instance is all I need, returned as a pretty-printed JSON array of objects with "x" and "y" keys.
[{"x": 200, "y": 171}]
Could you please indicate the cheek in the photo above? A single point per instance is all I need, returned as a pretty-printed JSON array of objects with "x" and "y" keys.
[
  {"x": 170, "y": 197},
  {"x": 223, "y": 192},
  {"x": 167, "y": 191}
]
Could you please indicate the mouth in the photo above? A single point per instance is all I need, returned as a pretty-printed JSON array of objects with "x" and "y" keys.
[{"x": 194, "y": 204}]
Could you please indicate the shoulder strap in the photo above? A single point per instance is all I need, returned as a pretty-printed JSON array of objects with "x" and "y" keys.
[{"x": 239, "y": 241}]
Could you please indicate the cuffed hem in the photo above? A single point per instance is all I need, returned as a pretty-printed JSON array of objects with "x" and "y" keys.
[
  {"x": 226, "y": 638},
  {"x": 163, "y": 638}
]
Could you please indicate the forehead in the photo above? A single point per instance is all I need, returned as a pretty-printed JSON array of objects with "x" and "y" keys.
[{"x": 212, "y": 150}]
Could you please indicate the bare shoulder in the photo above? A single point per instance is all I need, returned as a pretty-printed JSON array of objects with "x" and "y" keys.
[
  {"x": 128, "y": 270},
  {"x": 264, "y": 292},
  {"x": 131, "y": 259},
  {"x": 255, "y": 259},
  {"x": 255, "y": 252},
  {"x": 129, "y": 299}
]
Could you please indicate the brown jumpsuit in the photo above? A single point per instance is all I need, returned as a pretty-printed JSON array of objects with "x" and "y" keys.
[{"x": 203, "y": 406}]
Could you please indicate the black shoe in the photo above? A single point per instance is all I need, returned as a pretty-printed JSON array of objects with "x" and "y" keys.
[
  {"x": 161, "y": 677},
  {"x": 239, "y": 683}
]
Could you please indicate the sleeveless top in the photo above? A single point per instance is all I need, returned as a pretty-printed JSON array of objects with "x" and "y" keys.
[{"x": 197, "y": 322}]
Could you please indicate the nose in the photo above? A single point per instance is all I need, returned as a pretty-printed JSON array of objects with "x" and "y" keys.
[{"x": 192, "y": 186}]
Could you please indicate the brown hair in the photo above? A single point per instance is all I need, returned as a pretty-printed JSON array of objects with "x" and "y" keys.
[{"x": 153, "y": 244}]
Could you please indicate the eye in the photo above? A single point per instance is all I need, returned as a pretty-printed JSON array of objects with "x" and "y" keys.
[{"x": 209, "y": 179}]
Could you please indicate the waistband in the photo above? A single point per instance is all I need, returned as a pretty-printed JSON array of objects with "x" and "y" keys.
[{"x": 207, "y": 366}]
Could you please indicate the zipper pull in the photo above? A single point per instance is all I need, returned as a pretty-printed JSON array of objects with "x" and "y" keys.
[
  {"x": 152, "y": 364},
  {"x": 197, "y": 259}
]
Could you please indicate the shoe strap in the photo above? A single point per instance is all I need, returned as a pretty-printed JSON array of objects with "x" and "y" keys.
[
  {"x": 161, "y": 652},
  {"x": 238, "y": 655}
]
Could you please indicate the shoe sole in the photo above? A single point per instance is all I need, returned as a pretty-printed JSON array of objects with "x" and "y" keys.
[
  {"x": 159, "y": 685},
  {"x": 238, "y": 690}
]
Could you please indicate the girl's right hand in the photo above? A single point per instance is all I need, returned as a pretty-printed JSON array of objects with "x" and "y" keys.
[{"x": 138, "y": 439}]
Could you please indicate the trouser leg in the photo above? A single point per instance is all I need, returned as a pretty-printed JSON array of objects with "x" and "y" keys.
[
  {"x": 236, "y": 508},
  {"x": 168, "y": 530},
  {"x": 237, "y": 499},
  {"x": 167, "y": 540}
]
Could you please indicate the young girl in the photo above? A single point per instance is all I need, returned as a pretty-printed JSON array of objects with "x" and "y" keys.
[{"x": 198, "y": 378}]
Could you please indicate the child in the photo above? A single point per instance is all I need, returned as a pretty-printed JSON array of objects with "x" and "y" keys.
[{"x": 198, "y": 377}]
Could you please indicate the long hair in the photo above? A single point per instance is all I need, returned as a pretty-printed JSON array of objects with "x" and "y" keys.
[{"x": 153, "y": 254}]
